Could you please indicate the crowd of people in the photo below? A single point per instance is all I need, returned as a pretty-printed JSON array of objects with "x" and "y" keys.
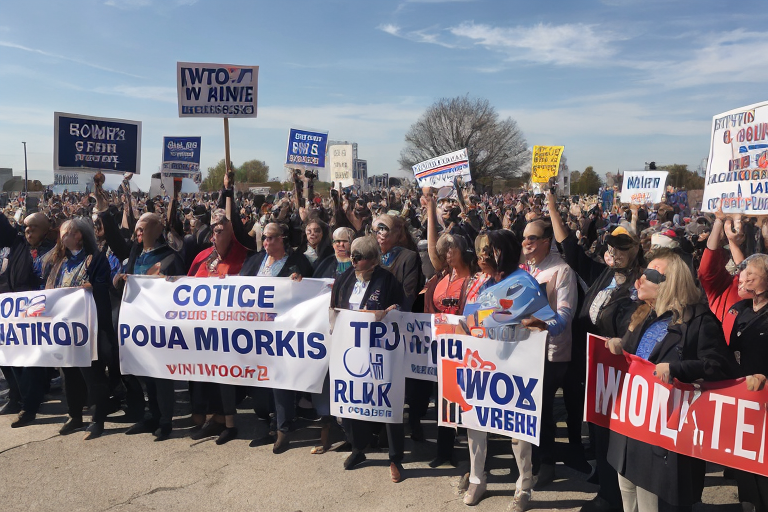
[{"x": 684, "y": 290}]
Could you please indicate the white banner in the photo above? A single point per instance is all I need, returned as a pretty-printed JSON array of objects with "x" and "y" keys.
[
  {"x": 643, "y": 187},
  {"x": 342, "y": 164},
  {"x": 216, "y": 90},
  {"x": 270, "y": 332},
  {"x": 737, "y": 168},
  {"x": 50, "y": 328},
  {"x": 492, "y": 386},
  {"x": 420, "y": 347},
  {"x": 440, "y": 171},
  {"x": 366, "y": 369}
]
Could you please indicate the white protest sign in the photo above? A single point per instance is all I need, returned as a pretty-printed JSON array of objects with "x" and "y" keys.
[
  {"x": 441, "y": 171},
  {"x": 247, "y": 331},
  {"x": 737, "y": 168},
  {"x": 216, "y": 90},
  {"x": 492, "y": 386},
  {"x": 49, "y": 328},
  {"x": 366, "y": 369},
  {"x": 342, "y": 164},
  {"x": 643, "y": 187}
]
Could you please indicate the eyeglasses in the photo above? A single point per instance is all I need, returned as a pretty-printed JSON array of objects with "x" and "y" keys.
[
  {"x": 341, "y": 241},
  {"x": 270, "y": 238},
  {"x": 654, "y": 276},
  {"x": 381, "y": 229},
  {"x": 358, "y": 256},
  {"x": 532, "y": 238}
]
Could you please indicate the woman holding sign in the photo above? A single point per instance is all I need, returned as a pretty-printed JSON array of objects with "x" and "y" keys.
[
  {"x": 679, "y": 334},
  {"x": 369, "y": 287}
]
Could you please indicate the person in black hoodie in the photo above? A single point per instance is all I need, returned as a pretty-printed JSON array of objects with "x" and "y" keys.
[{"x": 23, "y": 273}]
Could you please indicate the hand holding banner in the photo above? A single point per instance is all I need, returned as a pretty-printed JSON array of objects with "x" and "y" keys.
[{"x": 721, "y": 422}]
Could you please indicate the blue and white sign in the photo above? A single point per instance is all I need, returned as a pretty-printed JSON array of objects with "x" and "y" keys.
[
  {"x": 98, "y": 143},
  {"x": 216, "y": 90},
  {"x": 306, "y": 148},
  {"x": 366, "y": 369},
  {"x": 181, "y": 155}
]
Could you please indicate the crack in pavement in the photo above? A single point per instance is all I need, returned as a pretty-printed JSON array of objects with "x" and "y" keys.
[
  {"x": 28, "y": 442},
  {"x": 152, "y": 491}
]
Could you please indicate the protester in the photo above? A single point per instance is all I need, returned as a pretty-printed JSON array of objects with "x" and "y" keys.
[
  {"x": 682, "y": 337},
  {"x": 340, "y": 261}
]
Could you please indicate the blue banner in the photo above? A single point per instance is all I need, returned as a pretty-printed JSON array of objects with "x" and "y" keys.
[
  {"x": 181, "y": 155},
  {"x": 306, "y": 149},
  {"x": 101, "y": 144}
]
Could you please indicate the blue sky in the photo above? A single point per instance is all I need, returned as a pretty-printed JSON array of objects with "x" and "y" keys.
[{"x": 618, "y": 82}]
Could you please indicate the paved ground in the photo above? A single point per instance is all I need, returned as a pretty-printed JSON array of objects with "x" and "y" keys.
[{"x": 43, "y": 471}]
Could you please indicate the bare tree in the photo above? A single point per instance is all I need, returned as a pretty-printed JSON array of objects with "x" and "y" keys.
[{"x": 496, "y": 148}]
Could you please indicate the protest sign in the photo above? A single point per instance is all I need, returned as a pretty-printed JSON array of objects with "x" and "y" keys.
[
  {"x": 606, "y": 200},
  {"x": 490, "y": 385},
  {"x": 49, "y": 328},
  {"x": 420, "y": 347},
  {"x": 721, "y": 422},
  {"x": 98, "y": 143},
  {"x": 181, "y": 156},
  {"x": 366, "y": 368},
  {"x": 643, "y": 187},
  {"x": 264, "y": 191},
  {"x": 545, "y": 163},
  {"x": 306, "y": 148},
  {"x": 737, "y": 168},
  {"x": 216, "y": 90},
  {"x": 440, "y": 171},
  {"x": 245, "y": 331},
  {"x": 341, "y": 162}
]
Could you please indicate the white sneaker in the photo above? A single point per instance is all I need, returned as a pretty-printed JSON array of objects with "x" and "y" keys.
[
  {"x": 463, "y": 484},
  {"x": 520, "y": 501}
]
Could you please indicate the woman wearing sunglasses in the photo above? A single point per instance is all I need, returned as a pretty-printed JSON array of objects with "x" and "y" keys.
[
  {"x": 340, "y": 261},
  {"x": 677, "y": 332},
  {"x": 369, "y": 287}
]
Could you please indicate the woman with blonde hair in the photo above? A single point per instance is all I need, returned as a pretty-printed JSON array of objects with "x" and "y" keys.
[{"x": 675, "y": 330}]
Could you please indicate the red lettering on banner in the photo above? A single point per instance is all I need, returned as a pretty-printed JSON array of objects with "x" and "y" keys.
[{"x": 721, "y": 422}]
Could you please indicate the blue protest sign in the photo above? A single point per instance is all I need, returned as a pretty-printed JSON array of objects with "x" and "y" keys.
[
  {"x": 181, "y": 155},
  {"x": 306, "y": 148},
  {"x": 101, "y": 144}
]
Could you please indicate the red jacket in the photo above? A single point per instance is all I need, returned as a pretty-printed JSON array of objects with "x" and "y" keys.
[{"x": 721, "y": 287}]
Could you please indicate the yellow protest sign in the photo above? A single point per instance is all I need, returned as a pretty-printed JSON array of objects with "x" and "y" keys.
[{"x": 545, "y": 162}]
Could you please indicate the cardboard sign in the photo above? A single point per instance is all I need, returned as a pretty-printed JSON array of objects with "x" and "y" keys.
[
  {"x": 737, "y": 168},
  {"x": 97, "y": 143},
  {"x": 643, "y": 187},
  {"x": 216, "y": 90},
  {"x": 721, "y": 422},
  {"x": 441, "y": 171},
  {"x": 342, "y": 163},
  {"x": 306, "y": 148},
  {"x": 545, "y": 163},
  {"x": 181, "y": 155}
]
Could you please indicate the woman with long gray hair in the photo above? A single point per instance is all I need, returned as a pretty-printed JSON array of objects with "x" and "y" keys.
[{"x": 77, "y": 262}]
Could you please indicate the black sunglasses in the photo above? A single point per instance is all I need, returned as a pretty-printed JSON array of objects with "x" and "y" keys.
[
  {"x": 654, "y": 276},
  {"x": 450, "y": 303},
  {"x": 358, "y": 256}
]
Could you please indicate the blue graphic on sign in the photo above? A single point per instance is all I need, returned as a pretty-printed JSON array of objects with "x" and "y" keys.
[
  {"x": 181, "y": 154},
  {"x": 306, "y": 148},
  {"x": 99, "y": 144}
]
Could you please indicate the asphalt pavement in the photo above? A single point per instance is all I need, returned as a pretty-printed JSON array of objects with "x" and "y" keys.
[{"x": 43, "y": 471}]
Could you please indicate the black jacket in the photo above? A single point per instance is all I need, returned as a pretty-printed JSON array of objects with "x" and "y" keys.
[
  {"x": 406, "y": 267},
  {"x": 383, "y": 290},
  {"x": 296, "y": 262},
  {"x": 695, "y": 350},
  {"x": 19, "y": 276}
]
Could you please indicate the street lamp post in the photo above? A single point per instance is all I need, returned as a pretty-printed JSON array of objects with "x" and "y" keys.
[{"x": 26, "y": 181}]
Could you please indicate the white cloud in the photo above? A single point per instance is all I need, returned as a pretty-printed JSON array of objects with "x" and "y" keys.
[
  {"x": 7, "y": 44},
  {"x": 164, "y": 94},
  {"x": 567, "y": 44},
  {"x": 427, "y": 35}
]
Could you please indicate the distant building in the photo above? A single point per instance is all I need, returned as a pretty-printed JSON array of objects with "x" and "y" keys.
[{"x": 6, "y": 174}]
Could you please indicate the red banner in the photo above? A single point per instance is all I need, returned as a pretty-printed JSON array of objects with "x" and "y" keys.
[{"x": 721, "y": 422}]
